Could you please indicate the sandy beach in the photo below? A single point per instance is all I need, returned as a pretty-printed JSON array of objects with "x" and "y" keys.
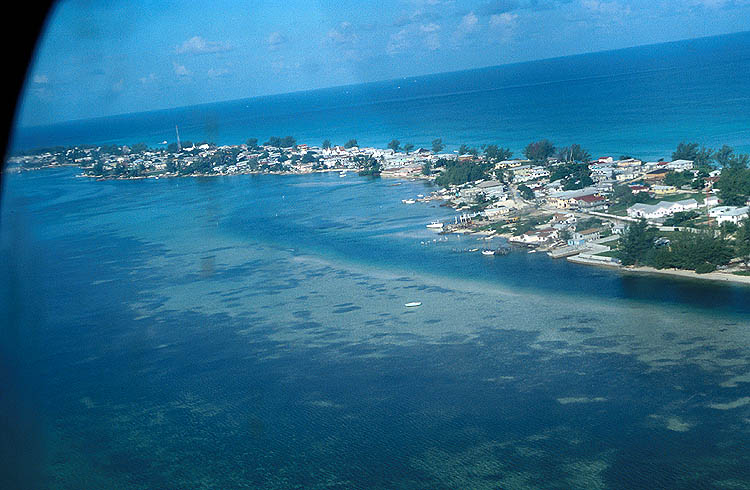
[{"x": 711, "y": 276}]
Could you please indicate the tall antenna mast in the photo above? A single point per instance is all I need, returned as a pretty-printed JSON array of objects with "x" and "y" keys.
[{"x": 177, "y": 130}]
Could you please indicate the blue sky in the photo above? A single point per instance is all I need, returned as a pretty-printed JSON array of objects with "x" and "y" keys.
[{"x": 104, "y": 58}]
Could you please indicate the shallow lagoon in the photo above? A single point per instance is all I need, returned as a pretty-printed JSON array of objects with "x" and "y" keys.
[{"x": 249, "y": 332}]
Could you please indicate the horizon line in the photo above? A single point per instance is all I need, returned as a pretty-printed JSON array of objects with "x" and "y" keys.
[{"x": 17, "y": 127}]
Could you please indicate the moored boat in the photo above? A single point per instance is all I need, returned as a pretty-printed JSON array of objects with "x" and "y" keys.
[{"x": 435, "y": 224}]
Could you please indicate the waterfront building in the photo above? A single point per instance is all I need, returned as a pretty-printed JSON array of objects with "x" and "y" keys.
[{"x": 662, "y": 209}]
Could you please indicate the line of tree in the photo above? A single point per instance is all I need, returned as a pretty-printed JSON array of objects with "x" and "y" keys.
[
  {"x": 704, "y": 157},
  {"x": 573, "y": 175},
  {"x": 734, "y": 181},
  {"x": 285, "y": 142},
  {"x": 701, "y": 251},
  {"x": 539, "y": 151},
  {"x": 370, "y": 166},
  {"x": 461, "y": 172},
  {"x": 497, "y": 153}
]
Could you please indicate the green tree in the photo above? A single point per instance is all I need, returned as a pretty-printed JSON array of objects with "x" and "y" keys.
[
  {"x": 139, "y": 148},
  {"x": 437, "y": 145},
  {"x": 457, "y": 173},
  {"x": 496, "y": 153},
  {"x": 685, "y": 151},
  {"x": 703, "y": 158},
  {"x": 285, "y": 142},
  {"x": 734, "y": 186},
  {"x": 636, "y": 242},
  {"x": 408, "y": 147},
  {"x": 252, "y": 143},
  {"x": 573, "y": 153},
  {"x": 351, "y": 143},
  {"x": 742, "y": 240},
  {"x": 724, "y": 155},
  {"x": 310, "y": 157},
  {"x": 427, "y": 168},
  {"x": 394, "y": 145},
  {"x": 539, "y": 151},
  {"x": 526, "y": 192},
  {"x": 678, "y": 179},
  {"x": 691, "y": 250},
  {"x": 573, "y": 175},
  {"x": 326, "y": 144},
  {"x": 370, "y": 166},
  {"x": 463, "y": 149}
]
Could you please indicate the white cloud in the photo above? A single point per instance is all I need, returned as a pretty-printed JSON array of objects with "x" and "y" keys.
[
  {"x": 469, "y": 23},
  {"x": 180, "y": 70},
  {"x": 609, "y": 9},
  {"x": 398, "y": 42},
  {"x": 710, "y": 3},
  {"x": 432, "y": 41},
  {"x": 147, "y": 79},
  {"x": 424, "y": 36},
  {"x": 217, "y": 72},
  {"x": 503, "y": 20},
  {"x": 198, "y": 45},
  {"x": 431, "y": 27},
  {"x": 275, "y": 40},
  {"x": 343, "y": 34},
  {"x": 503, "y": 25},
  {"x": 118, "y": 86}
]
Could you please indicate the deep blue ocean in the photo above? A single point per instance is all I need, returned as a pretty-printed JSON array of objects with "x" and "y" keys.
[
  {"x": 250, "y": 331},
  {"x": 640, "y": 101}
]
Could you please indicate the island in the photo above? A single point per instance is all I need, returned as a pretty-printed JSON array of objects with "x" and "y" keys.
[{"x": 685, "y": 216}]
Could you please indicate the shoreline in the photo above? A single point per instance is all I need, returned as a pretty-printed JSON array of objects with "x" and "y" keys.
[
  {"x": 641, "y": 270},
  {"x": 686, "y": 274},
  {"x": 679, "y": 273}
]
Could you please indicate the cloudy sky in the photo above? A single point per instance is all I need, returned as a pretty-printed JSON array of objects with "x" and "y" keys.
[{"x": 96, "y": 59}]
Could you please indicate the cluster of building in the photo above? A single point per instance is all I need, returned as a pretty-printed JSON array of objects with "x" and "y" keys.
[
  {"x": 140, "y": 161},
  {"x": 662, "y": 209},
  {"x": 729, "y": 214}
]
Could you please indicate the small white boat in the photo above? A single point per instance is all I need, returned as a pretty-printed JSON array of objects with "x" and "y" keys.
[
  {"x": 533, "y": 250},
  {"x": 435, "y": 224},
  {"x": 473, "y": 250},
  {"x": 342, "y": 174},
  {"x": 413, "y": 304},
  {"x": 488, "y": 252},
  {"x": 408, "y": 201}
]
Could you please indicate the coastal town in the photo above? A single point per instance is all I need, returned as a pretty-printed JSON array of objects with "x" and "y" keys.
[{"x": 685, "y": 215}]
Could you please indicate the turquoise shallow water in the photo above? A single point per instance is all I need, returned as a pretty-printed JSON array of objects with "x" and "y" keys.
[
  {"x": 640, "y": 101},
  {"x": 249, "y": 332}
]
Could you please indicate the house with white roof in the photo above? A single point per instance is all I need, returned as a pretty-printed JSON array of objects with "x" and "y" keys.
[
  {"x": 729, "y": 214},
  {"x": 661, "y": 209},
  {"x": 680, "y": 165}
]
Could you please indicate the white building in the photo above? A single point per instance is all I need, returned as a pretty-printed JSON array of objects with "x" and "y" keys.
[
  {"x": 526, "y": 173},
  {"x": 661, "y": 209},
  {"x": 729, "y": 214},
  {"x": 680, "y": 165}
]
